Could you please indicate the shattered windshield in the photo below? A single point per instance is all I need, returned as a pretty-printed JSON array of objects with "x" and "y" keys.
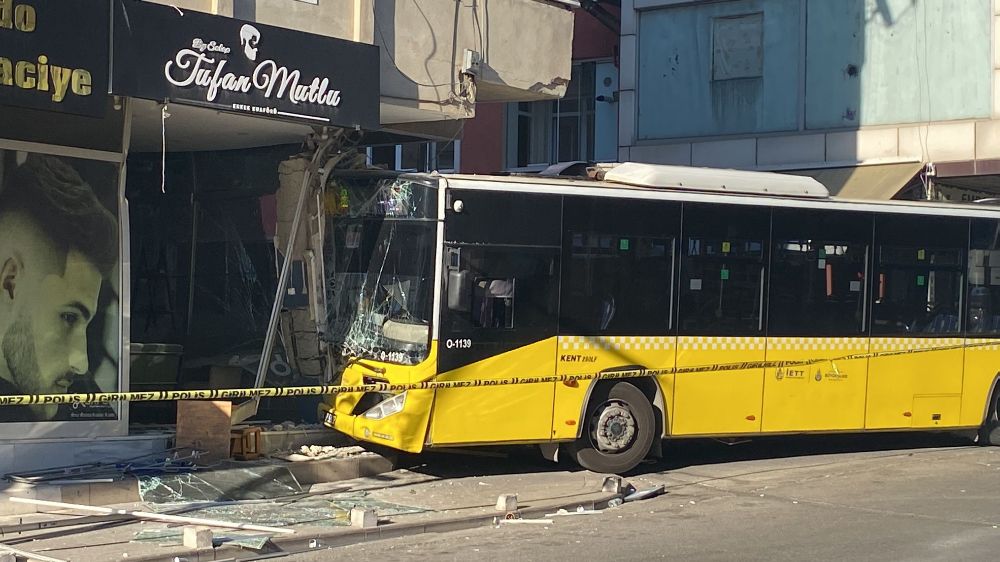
[{"x": 379, "y": 262}]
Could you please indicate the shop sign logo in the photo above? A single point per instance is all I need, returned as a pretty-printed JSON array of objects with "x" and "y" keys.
[
  {"x": 202, "y": 66},
  {"x": 249, "y": 37}
]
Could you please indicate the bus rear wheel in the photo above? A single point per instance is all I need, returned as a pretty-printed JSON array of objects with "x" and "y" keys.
[
  {"x": 989, "y": 433},
  {"x": 618, "y": 429}
]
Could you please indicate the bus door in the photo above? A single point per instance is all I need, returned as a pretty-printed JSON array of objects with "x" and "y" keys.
[
  {"x": 915, "y": 373},
  {"x": 720, "y": 319},
  {"x": 619, "y": 259},
  {"x": 499, "y": 310},
  {"x": 817, "y": 310},
  {"x": 982, "y": 356}
]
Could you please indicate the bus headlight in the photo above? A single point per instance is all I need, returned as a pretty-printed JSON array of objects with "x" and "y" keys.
[{"x": 387, "y": 408}]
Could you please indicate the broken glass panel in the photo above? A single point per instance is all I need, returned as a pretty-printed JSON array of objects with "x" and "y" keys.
[
  {"x": 312, "y": 512},
  {"x": 361, "y": 500},
  {"x": 332, "y": 510},
  {"x": 380, "y": 264},
  {"x": 224, "y": 485}
]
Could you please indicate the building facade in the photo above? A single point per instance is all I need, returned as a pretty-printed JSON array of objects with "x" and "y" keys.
[
  {"x": 173, "y": 140},
  {"x": 869, "y": 96},
  {"x": 580, "y": 126},
  {"x": 437, "y": 58}
]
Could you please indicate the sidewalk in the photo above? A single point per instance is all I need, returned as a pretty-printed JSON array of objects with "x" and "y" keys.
[
  {"x": 408, "y": 502},
  {"x": 127, "y": 490}
]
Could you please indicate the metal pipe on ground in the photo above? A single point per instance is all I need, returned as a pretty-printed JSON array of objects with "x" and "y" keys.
[
  {"x": 154, "y": 516},
  {"x": 29, "y": 555}
]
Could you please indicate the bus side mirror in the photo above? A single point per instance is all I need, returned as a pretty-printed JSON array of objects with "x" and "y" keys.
[{"x": 459, "y": 291}]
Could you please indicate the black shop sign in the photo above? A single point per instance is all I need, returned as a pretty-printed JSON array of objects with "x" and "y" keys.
[
  {"x": 164, "y": 53},
  {"x": 54, "y": 55}
]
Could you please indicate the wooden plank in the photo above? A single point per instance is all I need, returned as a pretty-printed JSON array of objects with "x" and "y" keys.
[{"x": 204, "y": 425}]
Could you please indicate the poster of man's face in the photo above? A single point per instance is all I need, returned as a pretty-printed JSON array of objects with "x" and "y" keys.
[{"x": 59, "y": 283}]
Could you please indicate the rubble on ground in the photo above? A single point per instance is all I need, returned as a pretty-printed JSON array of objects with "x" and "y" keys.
[
  {"x": 323, "y": 452},
  {"x": 292, "y": 426}
]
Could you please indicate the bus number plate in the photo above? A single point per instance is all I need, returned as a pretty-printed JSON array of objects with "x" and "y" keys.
[{"x": 459, "y": 343}]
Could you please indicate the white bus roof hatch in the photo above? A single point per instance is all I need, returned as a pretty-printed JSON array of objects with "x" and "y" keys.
[{"x": 710, "y": 179}]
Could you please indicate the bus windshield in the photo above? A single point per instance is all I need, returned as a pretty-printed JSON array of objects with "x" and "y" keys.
[{"x": 380, "y": 267}]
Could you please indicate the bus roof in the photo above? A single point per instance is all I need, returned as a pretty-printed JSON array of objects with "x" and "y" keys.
[
  {"x": 715, "y": 180},
  {"x": 682, "y": 183}
]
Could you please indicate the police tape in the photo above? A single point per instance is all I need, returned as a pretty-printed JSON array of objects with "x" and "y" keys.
[{"x": 627, "y": 372}]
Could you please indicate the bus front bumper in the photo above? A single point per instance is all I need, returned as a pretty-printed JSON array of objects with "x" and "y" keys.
[{"x": 404, "y": 430}]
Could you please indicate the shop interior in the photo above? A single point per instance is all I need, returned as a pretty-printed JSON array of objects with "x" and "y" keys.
[{"x": 201, "y": 188}]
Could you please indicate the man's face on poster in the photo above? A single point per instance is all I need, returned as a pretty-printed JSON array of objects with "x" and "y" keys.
[{"x": 52, "y": 298}]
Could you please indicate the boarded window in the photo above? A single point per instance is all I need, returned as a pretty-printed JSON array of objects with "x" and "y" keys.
[{"x": 737, "y": 47}]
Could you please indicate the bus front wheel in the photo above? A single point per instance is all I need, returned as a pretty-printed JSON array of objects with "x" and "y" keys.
[
  {"x": 989, "y": 433},
  {"x": 618, "y": 429}
]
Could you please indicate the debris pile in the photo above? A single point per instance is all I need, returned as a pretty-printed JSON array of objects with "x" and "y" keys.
[
  {"x": 292, "y": 426},
  {"x": 624, "y": 492},
  {"x": 322, "y": 452}
]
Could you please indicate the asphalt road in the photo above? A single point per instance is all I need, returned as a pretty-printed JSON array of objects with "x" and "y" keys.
[{"x": 874, "y": 497}]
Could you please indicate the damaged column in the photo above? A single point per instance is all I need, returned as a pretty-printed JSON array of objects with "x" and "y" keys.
[
  {"x": 302, "y": 313},
  {"x": 300, "y": 232}
]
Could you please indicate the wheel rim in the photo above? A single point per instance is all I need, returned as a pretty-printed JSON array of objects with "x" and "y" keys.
[{"x": 613, "y": 427}]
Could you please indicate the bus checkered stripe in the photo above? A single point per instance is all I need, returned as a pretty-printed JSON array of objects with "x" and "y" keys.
[
  {"x": 727, "y": 343},
  {"x": 817, "y": 344},
  {"x": 619, "y": 343},
  {"x": 992, "y": 343},
  {"x": 909, "y": 344},
  {"x": 722, "y": 343}
]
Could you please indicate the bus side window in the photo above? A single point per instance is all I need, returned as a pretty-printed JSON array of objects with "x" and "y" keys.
[
  {"x": 493, "y": 302},
  {"x": 983, "y": 300},
  {"x": 501, "y": 288},
  {"x": 618, "y": 264},
  {"x": 918, "y": 285},
  {"x": 818, "y": 273},
  {"x": 722, "y": 270}
]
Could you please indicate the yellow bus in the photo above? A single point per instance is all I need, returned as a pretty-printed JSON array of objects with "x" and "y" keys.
[{"x": 715, "y": 303}]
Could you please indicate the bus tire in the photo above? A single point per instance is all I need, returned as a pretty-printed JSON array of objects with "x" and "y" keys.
[
  {"x": 618, "y": 429},
  {"x": 989, "y": 433}
]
